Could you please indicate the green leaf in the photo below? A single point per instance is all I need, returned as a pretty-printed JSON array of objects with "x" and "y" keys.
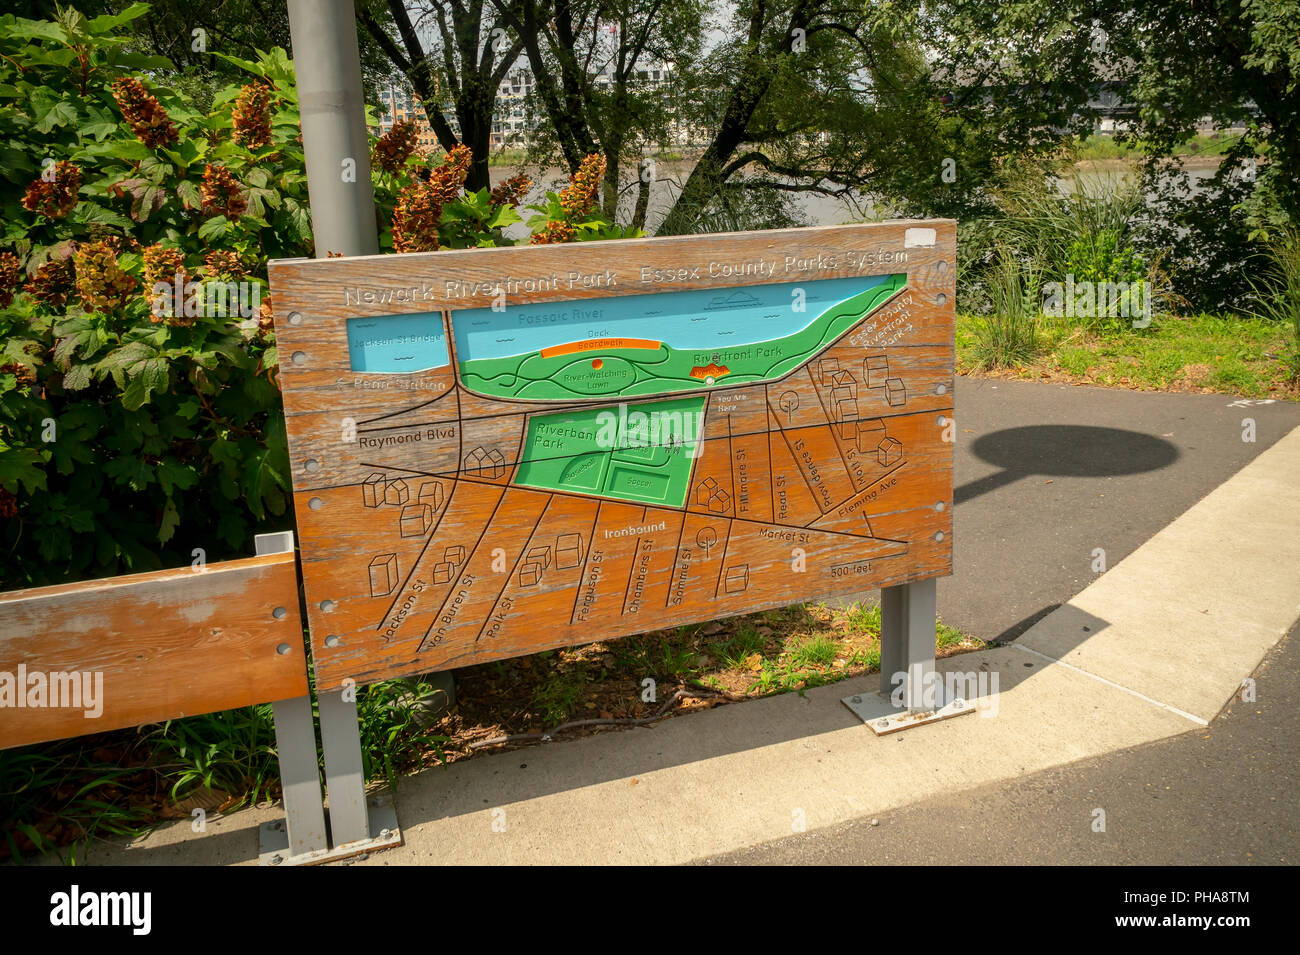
[
  {"x": 505, "y": 215},
  {"x": 99, "y": 129},
  {"x": 171, "y": 519},
  {"x": 246, "y": 65},
  {"x": 19, "y": 466},
  {"x": 152, "y": 376},
  {"x": 76, "y": 377},
  {"x": 189, "y": 194},
  {"x": 88, "y": 213},
  {"x": 62, "y": 113},
  {"x": 130, "y": 150},
  {"x": 23, "y": 29},
  {"x": 173, "y": 474},
  {"x": 107, "y": 23},
  {"x": 131, "y": 471},
  {"x": 214, "y": 228}
]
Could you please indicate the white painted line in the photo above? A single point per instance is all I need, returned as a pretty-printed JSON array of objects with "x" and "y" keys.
[{"x": 1101, "y": 679}]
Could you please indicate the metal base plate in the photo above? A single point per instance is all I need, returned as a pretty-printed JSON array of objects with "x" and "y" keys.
[
  {"x": 880, "y": 714},
  {"x": 384, "y": 834}
]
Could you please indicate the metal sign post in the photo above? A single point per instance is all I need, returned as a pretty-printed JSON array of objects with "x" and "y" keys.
[{"x": 327, "y": 64}]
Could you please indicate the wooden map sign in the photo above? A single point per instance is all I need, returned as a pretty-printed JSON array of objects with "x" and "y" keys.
[{"x": 500, "y": 451}]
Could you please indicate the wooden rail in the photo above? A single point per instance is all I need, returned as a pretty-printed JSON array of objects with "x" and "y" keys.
[{"x": 104, "y": 654}]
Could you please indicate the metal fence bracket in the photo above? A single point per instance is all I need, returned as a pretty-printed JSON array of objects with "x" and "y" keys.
[{"x": 273, "y": 839}]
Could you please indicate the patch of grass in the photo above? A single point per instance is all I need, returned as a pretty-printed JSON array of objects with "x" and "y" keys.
[
  {"x": 678, "y": 658},
  {"x": 666, "y": 655},
  {"x": 1238, "y": 355},
  {"x": 557, "y": 697},
  {"x": 867, "y": 660},
  {"x": 734, "y": 651},
  {"x": 508, "y": 157},
  {"x": 1100, "y": 146},
  {"x": 818, "y": 650},
  {"x": 948, "y": 638},
  {"x": 864, "y": 618}
]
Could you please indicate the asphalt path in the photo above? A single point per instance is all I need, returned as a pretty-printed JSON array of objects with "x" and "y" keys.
[
  {"x": 1046, "y": 476},
  {"x": 1223, "y": 795}
]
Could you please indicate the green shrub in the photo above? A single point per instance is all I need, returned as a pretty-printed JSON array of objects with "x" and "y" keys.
[
  {"x": 1279, "y": 291},
  {"x": 129, "y": 438},
  {"x": 140, "y": 418}
]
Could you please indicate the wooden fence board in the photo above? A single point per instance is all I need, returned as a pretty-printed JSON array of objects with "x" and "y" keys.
[{"x": 159, "y": 646}]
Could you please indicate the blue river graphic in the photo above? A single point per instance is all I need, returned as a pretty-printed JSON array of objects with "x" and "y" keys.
[
  {"x": 397, "y": 344},
  {"x": 696, "y": 319}
]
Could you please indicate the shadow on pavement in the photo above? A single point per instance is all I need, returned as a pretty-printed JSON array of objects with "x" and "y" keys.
[
  {"x": 1016, "y": 629},
  {"x": 1064, "y": 451}
]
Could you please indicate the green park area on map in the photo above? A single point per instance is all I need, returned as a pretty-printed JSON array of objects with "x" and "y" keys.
[{"x": 640, "y": 452}]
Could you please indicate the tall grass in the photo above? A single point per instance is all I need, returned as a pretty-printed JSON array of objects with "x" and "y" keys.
[
  {"x": 231, "y": 752},
  {"x": 1279, "y": 292},
  {"x": 1008, "y": 333},
  {"x": 1078, "y": 229},
  {"x": 66, "y": 792},
  {"x": 1048, "y": 224}
]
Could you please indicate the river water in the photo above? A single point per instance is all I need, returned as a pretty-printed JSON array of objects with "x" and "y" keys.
[{"x": 815, "y": 208}]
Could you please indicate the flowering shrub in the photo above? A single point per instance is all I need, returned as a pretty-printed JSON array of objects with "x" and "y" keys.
[
  {"x": 396, "y": 146},
  {"x": 137, "y": 429},
  {"x": 567, "y": 215},
  {"x": 144, "y": 114},
  {"x": 140, "y": 420}
]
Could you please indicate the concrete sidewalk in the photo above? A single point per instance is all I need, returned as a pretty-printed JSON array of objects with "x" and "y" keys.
[
  {"x": 1225, "y": 795},
  {"x": 1153, "y": 648}
]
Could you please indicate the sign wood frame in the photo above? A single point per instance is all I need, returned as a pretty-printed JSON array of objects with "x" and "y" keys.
[{"x": 500, "y": 451}]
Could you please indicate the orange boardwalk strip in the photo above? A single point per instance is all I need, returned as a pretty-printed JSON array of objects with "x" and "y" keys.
[{"x": 596, "y": 344}]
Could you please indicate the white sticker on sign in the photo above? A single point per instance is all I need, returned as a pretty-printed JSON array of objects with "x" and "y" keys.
[{"x": 913, "y": 238}]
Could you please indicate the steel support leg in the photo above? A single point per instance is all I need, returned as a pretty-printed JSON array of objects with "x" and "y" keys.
[
  {"x": 907, "y": 620},
  {"x": 345, "y": 779},
  {"x": 295, "y": 743}
]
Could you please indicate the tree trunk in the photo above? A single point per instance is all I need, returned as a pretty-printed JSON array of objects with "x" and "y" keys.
[
  {"x": 707, "y": 177},
  {"x": 476, "y": 128},
  {"x": 642, "y": 200}
]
